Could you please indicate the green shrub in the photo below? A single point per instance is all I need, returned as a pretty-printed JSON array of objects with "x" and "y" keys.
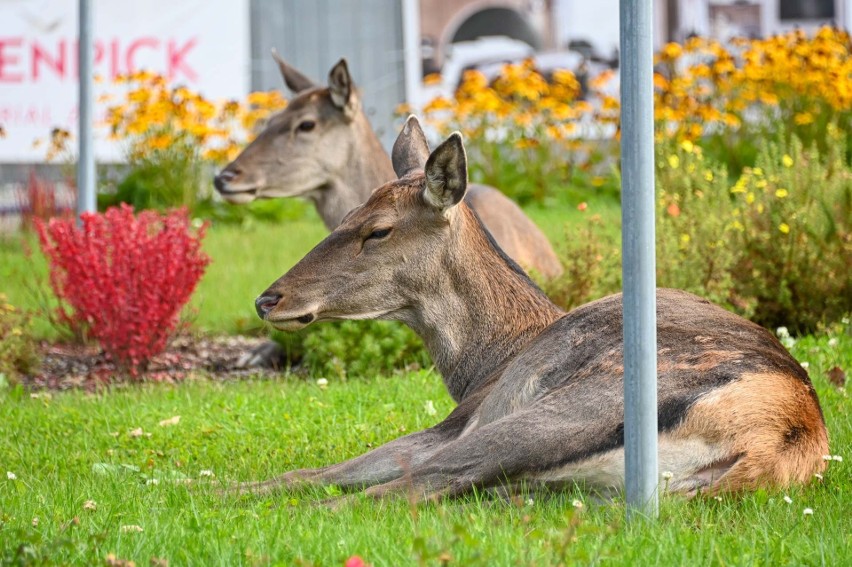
[
  {"x": 774, "y": 246},
  {"x": 591, "y": 257},
  {"x": 18, "y": 350},
  {"x": 354, "y": 349}
]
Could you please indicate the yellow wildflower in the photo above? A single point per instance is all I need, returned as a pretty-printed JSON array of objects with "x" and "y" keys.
[{"x": 784, "y": 228}]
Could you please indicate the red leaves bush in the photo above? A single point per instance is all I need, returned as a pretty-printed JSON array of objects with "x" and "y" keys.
[{"x": 125, "y": 277}]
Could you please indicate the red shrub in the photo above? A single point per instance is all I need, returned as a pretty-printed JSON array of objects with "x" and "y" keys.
[{"x": 125, "y": 277}]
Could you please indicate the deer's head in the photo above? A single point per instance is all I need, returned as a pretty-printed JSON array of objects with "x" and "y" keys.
[
  {"x": 301, "y": 147},
  {"x": 382, "y": 261}
]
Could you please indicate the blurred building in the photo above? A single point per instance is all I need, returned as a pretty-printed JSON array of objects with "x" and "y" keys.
[{"x": 594, "y": 25}]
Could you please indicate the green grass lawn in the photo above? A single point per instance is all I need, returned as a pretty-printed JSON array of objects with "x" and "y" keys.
[{"x": 66, "y": 449}]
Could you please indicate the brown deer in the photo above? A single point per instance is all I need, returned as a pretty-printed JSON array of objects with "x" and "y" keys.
[
  {"x": 539, "y": 391},
  {"x": 322, "y": 147}
]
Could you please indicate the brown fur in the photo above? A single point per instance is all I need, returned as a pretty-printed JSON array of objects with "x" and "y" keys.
[{"x": 770, "y": 423}]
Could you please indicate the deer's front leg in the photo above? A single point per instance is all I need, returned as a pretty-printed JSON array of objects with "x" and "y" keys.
[{"x": 383, "y": 464}]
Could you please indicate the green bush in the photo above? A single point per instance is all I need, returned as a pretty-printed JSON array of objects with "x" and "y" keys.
[
  {"x": 18, "y": 350},
  {"x": 774, "y": 246},
  {"x": 354, "y": 349}
]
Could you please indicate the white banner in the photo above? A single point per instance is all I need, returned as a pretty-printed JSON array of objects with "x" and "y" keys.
[{"x": 203, "y": 44}]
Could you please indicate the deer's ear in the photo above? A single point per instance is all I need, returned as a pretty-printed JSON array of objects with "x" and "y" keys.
[
  {"x": 446, "y": 174},
  {"x": 411, "y": 150},
  {"x": 340, "y": 87},
  {"x": 294, "y": 80}
]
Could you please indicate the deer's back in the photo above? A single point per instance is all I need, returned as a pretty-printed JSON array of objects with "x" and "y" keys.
[{"x": 517, "y": 235}]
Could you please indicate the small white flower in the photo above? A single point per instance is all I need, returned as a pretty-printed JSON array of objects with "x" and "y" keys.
[
  {"x": 152, "y": 481},
  {"x": 322, "y": 383},
  {"x": 808, "y": 511},
  {"x": 577, "y": 504},
  {"x": 205, "y": 472},
  {"x": 788, "y": 342},
  {"x": 131, "y": 528},
  {"x": 826, "y": 457},
  {"x": 718, "y": 498},
  {"x": 782, "y": 332},
  {"x": 832, "y": 342},
  {"x": 429, "y": 408},
  {"x": 837, "y": 458},
  {"x": 11, "y": 476},
  {"x": 90, "y": 505},
  {"x": 529, "y": 502},
  {"x": 667, "y": 475},
  {"x": 805, "y": 365},
  {"x": 818, "y": 476},
  {"x": 787, "y": 499},
  {"x": 35, "y": 521}
]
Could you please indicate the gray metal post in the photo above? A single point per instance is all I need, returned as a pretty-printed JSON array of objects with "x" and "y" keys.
[
  {"x": 638, "y": 264},
  {"x": 86, "y": 157}
]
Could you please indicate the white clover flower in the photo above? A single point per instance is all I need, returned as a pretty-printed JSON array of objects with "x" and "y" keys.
[
  {"x": 90, "y": 505},
  {"x": 787, "y": 499},
  {"x": 837, "y": 458},
  {"x": 805, "y": 365},
  {"x": 577, "y": 504},
  {"x": 718, "y": 498},
  {"x": 808, "y": 511},
  {"x": 205, "y": 472},
  {"x": 818, "y": 476},
  {"x": 152, "y": 482},
  {"x": 826, "y": 457},
  {"x": 667, "y": 475},
  {"x": 832, "y": 342},
  {"x": 529, "y": 502},
  {"x": 322, "y": 383},
  {"x": 35, "y": 521},
  {"x": 782, "y": 332},
  {"x": 131, "y": 528},
  {"x": 429, "y": 408},
  {"x": 11, "y": 476}
]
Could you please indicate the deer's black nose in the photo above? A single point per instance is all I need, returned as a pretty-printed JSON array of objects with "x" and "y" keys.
[
  {"x": 266, "y": 303},
  {"x": 224, "y": 177}
]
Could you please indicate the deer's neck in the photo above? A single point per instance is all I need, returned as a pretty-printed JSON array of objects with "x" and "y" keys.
[
  {"x": 367, "y": 166},
  {"x": 480, "y": 313}
]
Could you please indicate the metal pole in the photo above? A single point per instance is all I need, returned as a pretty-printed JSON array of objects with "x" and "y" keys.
[
  {"x": 411, "y": 51},
  {"x": 86, "y": 158},
  {"x": 638, "y": 264}
]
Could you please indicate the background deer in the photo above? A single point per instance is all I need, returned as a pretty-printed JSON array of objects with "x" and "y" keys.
[
  {"x": 322, "y": 147},
  {"x": 539, "y": 391}
]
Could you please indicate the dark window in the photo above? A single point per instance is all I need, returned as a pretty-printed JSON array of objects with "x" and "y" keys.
[{"x": 807, "y": 9}]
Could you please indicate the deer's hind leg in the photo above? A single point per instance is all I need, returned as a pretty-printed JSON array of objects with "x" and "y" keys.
[{"x": 521, "y": 446}]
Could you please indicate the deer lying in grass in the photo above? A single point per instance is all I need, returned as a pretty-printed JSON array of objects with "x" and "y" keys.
[
  {"x": 321, "y": 147},
  {"x": 539, "y": 391}
]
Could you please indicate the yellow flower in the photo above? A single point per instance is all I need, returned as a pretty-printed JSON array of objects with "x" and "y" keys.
[
  {"x": 687, "y": 146},
  {"x": 803, "y": 118},
  {"x": 750, "y": 198},
  {"x": 784, "y": 228},
  {"x": 708, "y": 175},
  {"x": 787, "y": 161},
  {"x": 674, "y": 161},
  {"x": 781, "y": 193}
]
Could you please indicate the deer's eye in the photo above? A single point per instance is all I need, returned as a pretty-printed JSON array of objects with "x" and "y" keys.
[
  {"x": 379, "y": 233},
  {"x": 306, "y": 126}
]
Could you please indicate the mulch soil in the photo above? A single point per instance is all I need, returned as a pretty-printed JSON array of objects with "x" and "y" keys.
[{"x": 67, "y": 366}]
